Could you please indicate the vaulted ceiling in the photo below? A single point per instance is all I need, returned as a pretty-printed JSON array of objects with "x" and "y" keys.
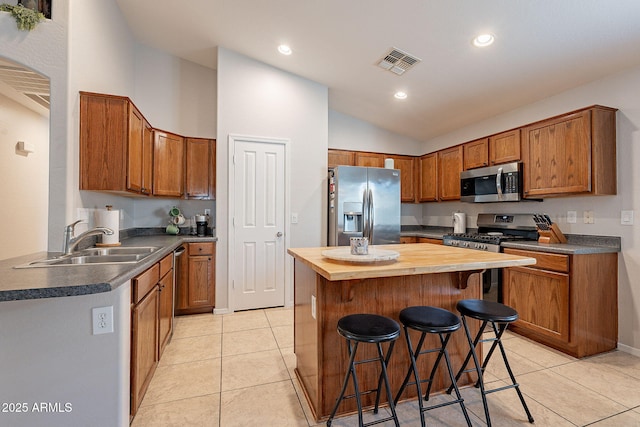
[{"x": 542, "y": 47}]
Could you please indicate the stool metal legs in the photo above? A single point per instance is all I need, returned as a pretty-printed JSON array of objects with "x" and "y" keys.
[
  {"x": 351, "y": 372},
  {"x": 413, "y": 369},
  {"x": 479, "y": 369}
]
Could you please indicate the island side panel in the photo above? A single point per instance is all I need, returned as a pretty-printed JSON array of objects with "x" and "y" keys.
[
  {"x": 385, "y": 296},
  {"x": 306, "y": 331}
]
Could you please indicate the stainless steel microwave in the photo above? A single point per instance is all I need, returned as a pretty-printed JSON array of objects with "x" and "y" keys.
[{"x": 500, "y": 183}]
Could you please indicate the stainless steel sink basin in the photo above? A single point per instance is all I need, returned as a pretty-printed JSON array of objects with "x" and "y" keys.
[{"x": 96, "y": 256}]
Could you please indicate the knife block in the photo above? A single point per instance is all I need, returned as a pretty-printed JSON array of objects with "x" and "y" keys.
[{"x": 552, "y": 235}]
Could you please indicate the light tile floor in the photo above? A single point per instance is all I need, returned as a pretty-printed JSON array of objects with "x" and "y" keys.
[{"x": 238, "y": 370}]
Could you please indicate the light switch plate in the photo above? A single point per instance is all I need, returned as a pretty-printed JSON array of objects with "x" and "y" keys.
[
  {"x": 572, "y": 217},
  {"x": 626, "y": 217}
]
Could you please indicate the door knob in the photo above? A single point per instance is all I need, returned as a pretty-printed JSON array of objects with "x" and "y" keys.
[{"x": 279, "y": 234}]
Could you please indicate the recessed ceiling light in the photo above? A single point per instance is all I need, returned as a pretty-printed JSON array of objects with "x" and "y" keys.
[
  {"x": 284, "y": 49},
  {"x": 483, "y": 40},
  {"x": 400, "y": 95}
]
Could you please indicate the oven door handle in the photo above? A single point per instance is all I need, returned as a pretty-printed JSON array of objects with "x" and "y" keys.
[{"x": 499, "y": 183}]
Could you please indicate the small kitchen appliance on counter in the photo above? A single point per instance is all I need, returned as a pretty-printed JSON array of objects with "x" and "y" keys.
[
  {"x": 459, "y": 222},
  {"x": 202, "y": 223}
]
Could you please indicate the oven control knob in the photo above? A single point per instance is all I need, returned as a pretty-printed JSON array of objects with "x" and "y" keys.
[{"x": 465, "y": 244}]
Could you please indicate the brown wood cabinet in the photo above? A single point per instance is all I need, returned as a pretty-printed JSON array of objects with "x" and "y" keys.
[
  {"x": 372, "y": 160},
  {"x": 568, "y": 302},
  {"x": 110, "y": 128},
  {"x": 121, "y": 152},
  {"x": 407, "y": 167},
  {"x": 341, "y": 158},
  {"x": 571, "y": 154},
  {"x": 168, "y": 164},
  {"x": 429, "y": 240},
  {"x": 428, "y": 182},
  {"x": 144, "y": 333},
  {"x": 476, "y": 154},
  {"x": 408, "y": 239},
  {"x": 200, "y": 180},
  {"x": 504, "y": 147},
  {"x": 151, "y": 324},
  {"x": 140, "y": 155},
  {"x": 449, "y": 168},
  {"x": 197, "y": 290}
]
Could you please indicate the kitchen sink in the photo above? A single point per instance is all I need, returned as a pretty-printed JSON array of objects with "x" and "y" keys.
[{"x": 95, "y": 256}]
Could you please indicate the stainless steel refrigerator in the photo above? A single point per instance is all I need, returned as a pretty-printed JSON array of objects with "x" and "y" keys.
[{"x": 364, "y": 202}]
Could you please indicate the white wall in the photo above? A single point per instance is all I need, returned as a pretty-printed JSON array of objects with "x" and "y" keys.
[
  {"x": 349, "y": 133},
  {"x": 255, "y": 99},
  {"x": 618, "y": 91},
  {"x": 25, "y": 178}
]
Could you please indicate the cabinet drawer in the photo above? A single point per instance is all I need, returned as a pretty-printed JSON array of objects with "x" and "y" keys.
[
  {"x": 201, "y": 248},
  {"x": 166, "y": 264},
  {"x": 545, "y": 261},
  {"x": 145, "y": 282}
]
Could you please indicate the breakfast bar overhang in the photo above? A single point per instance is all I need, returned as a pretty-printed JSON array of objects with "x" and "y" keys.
[{"x": 326, "y": 290}]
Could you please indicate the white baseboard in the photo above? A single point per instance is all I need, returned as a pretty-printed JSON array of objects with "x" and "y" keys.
[
  {"x": 221, "y": 311},
  {"x": 629, "y": 349}
]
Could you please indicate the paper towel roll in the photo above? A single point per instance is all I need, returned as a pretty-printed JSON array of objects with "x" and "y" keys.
[
  {"x": 388, "y": 163},
  {"x": 111, "y": 219}
]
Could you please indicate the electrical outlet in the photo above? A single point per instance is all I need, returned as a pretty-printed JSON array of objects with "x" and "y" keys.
[
  {"x": 588, "y": 217},
  {"x": 626, "y": 217},
  {"x": 294, "y": 218},
  {"x": 572, "y": 217},
  {"x": 102, "y": 320}
]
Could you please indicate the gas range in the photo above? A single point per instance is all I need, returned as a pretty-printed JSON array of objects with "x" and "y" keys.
[{"x": 494, "y": 229}]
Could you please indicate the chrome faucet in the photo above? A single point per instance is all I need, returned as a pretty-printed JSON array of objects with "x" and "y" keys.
[{"x": 70, "y": 241}]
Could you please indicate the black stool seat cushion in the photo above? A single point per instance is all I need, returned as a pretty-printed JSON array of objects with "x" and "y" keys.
[
  {"x": 487, "y": 310},
  {"x": 368, "y": 328},
  {"x": 433, "y": 320}
]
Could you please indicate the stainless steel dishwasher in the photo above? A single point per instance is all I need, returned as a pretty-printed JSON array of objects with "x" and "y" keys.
[{"x": 177, "y": 253}]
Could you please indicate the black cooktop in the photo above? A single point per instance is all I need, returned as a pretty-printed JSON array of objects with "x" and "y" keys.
[{"x": 494, "y": 238}]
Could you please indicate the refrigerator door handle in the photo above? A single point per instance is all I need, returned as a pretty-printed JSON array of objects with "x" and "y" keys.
[
  {"x": 365, "y": 214},
  {"x": 371, "y": 210}
]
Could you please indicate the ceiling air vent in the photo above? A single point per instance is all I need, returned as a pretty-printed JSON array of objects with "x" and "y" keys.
[{"x": 397, "y": 61}]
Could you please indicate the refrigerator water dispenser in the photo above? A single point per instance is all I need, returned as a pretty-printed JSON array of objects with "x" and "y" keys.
[{"x": 352, "y": 217}]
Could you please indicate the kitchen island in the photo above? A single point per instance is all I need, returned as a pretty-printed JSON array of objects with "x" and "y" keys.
[{"x": 326, "y": 290}]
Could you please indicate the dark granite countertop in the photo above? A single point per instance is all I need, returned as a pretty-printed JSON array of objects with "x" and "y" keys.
[
  {"x": 64, "y": 281},
  {"x": 577, "y": 244}
]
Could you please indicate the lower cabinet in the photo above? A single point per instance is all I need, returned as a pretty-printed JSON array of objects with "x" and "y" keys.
[
  {"x": 197, "y": 291},
  {"x": 568, "y": 302},
  {"x": 414, "y": 239},
  {"x": 151, "y": 325}
]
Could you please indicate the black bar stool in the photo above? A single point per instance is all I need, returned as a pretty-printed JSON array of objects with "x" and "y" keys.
[
  {"x": 375, "y": 329},
  {"x": 499, "y": 316},
  {"x": 430, "y": 320}
]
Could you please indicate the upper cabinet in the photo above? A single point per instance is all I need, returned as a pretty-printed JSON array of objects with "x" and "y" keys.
[
  {"x": 449, "y": 168},
  {"x": 476, "y": 154},
  {"x": 121, "y": 152},
  {"x": 371, "y": 160},
  {"x": 200, "y": 180},
  {"x": 168, "y": 164},
  {"x": 407, "y": 166},
  {"x": 428, "y": 183},
  {"x": 140, "y": 153},
  {"x": 108, "y": 124},
  {"x": 341, "y": 158},
  {"x": 504, "y": 147},
  {"x": 571, "y": 154}
]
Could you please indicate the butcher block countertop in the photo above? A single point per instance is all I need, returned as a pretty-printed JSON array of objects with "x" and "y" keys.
[{"x": 417, "y": 258}]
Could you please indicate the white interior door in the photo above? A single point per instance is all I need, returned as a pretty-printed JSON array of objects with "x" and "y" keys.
[{"x": 258, "y": 224}]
